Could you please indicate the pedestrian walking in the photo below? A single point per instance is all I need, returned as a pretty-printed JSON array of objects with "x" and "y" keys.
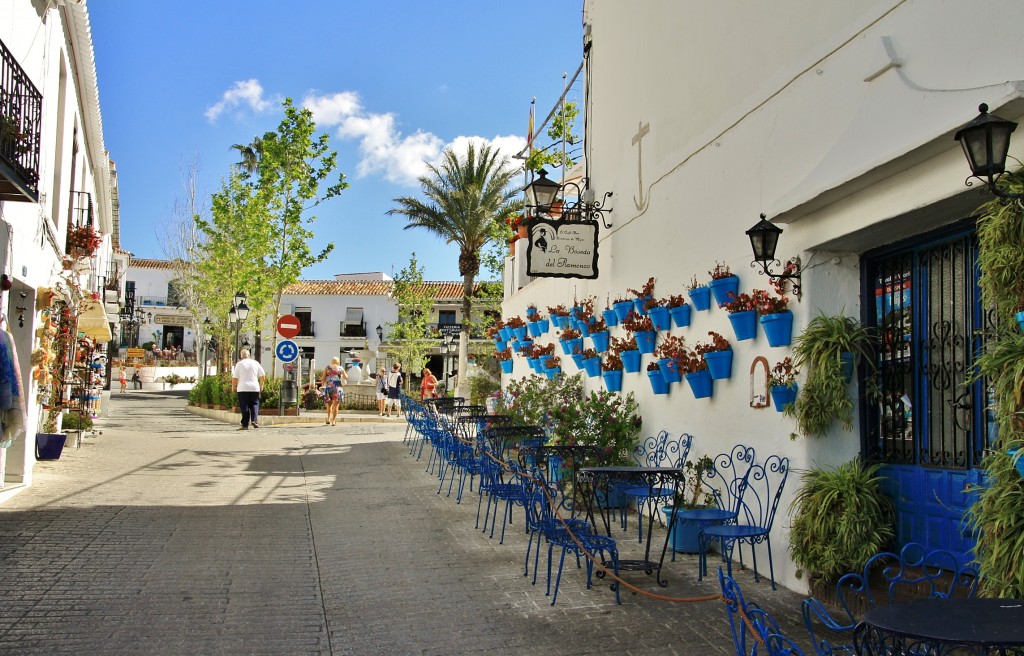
[
  {"x": 428, "y": 386},
  {"x": 247, "y": 379},
  {"x": 123, "y": 377},
  {"x": 382, "y": 390},
  {"x": 333, "y": 378},
  {"x": 394, "y": 391}
]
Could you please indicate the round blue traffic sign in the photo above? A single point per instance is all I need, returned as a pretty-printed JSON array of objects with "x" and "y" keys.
[{"x": 287, "y": 351}]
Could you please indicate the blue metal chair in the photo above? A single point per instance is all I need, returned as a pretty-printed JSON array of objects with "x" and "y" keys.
[
  {"x": 661, "y": 450},
  {"x": 759, "y": 499},
  {"x": 724, "y": 482},
  {"x": 915, "y": 571},
  {"x": 754, "y": 631}
]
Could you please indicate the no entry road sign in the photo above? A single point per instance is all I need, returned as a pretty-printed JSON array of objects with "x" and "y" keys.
[{"x": 288, "y": 326}]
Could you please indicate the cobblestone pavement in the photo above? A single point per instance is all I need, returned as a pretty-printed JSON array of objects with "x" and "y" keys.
[{"x": 174, "y": 534}]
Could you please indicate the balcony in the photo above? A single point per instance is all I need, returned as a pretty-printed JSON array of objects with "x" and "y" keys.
[
  {"x": 306, "y": 328},
  {"x": 352, "y": 329},
  {"x": 81, "y": 209},
  {"x": 20, "y": 129}
]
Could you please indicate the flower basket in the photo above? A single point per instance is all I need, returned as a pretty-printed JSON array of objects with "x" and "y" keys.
[
  {"x": 592, "y": 366},
  {"x": 600, "y": 341},
  {"x": 622, "y": 309},
  {"x": 723, "y": 287},
  {"x": 744, "y": 324},
  {"x": 506, "y": 366},
  {"x": 719, "y": 364},
  {"x": 700, "y": 383},
  {"x": 670, "y": 370},
  {"x": 660, "y": 317},
  {"x": 613, "y": 380},
  {"x": 778, "y": 328},
  {"x": 631, "y": 361},
  {"x": 681, "y": 315},
  {"x": 783, "y": 395},
  {"x": 611, "y": 317},
  {"x": 701, "y": 298},
  {"x": 658, "y": 384},
  {"x": 645, "y": 340}
]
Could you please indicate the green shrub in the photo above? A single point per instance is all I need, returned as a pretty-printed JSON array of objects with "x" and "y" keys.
[
  {"x": 270, "y": 397},
  {"x": 482, "y": 385},
  {"x": 76, "y": 421}
]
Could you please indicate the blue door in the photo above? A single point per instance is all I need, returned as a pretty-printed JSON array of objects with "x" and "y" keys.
[{"x": 928, "y": 424}]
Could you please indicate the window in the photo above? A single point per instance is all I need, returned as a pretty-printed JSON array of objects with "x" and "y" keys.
[
  {"x": 353, "y": 325},
  {"x": 305, "y": 317},
  {"x": 445, "y": 317},
  {"x": 173, "y": 295}
]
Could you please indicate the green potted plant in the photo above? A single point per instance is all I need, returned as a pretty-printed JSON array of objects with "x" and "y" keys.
[
  {"x": 827, "y": 350},
  {"x": 841, "y": 518}
]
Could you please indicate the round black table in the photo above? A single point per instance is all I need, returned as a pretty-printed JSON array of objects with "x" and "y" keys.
[{"x": 943, "y": 626}]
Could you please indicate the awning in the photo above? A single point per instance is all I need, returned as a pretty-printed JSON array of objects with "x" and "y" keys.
[
  {"x": 354, "y": 315},
  {"x": 93, "y": 323}
]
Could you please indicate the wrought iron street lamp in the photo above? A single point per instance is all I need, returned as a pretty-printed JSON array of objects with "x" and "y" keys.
[
  {"x": 986, "y": 144},
  {"x": 542, "y": 192},
  {"x": 764, "y": 237},
  {"x": 380, "y": 334}
]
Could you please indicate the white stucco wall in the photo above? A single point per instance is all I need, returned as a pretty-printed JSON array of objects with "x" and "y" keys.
[{"x": 765, "y": 108}]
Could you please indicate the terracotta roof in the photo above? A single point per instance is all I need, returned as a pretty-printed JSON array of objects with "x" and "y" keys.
[
  {"x": 443, "y": 290},
  {"x": 146, "y": 263}
]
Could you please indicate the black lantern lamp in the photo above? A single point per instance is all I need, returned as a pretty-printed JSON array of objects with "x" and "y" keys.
[
  {"x": 380, "y": 333},
  {"x": 541, "y": 193},
  {"x": 242, "y": 311},
  {"x": 764, "y": 237},
  {"x": 986, "y": 143}
]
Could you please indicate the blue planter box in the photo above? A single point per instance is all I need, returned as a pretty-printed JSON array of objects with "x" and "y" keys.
[
  {"x": 724, "y": 288},
  {"x": 701, "y": 297},
  {"x": 719, "y": 364},
  {"x": 613, "y": 380},
  {"x": 778, "y": 328},
  {"x": 49, "y": 446},
  {"x": 630, "y": 361},
  {"x": 661, "y": 318},
  {"x": 744, "y": 324},
  {"x": 681, "y": 315}
]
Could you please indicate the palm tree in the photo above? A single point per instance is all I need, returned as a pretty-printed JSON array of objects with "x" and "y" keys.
[
  {"x": 251, "y": 155},
  {"x": 464, "y": 195}
]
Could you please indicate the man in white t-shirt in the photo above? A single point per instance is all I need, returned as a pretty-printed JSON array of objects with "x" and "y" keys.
[{"x": 247, "y": 379}]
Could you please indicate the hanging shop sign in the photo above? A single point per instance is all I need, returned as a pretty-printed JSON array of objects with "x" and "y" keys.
[
  {"x": 172, "y": 319},
  {"x": 562, "y": 249}
]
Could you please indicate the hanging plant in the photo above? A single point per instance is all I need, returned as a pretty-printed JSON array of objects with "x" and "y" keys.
[{"x": 83, "y": 241}]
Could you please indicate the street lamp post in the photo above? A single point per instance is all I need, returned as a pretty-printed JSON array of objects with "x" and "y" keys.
[{"x": 238, "y": 314}]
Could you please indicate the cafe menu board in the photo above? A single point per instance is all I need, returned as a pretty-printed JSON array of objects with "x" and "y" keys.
[{"x": 562, "y": 249}]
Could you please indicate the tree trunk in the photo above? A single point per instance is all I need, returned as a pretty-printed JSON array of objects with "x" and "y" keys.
[{"x": 467, "y": 305}]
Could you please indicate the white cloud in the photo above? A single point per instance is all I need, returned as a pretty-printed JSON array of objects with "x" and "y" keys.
[
  {"x": 384, "y": 150},
  {"x": 244, "y": 92}
]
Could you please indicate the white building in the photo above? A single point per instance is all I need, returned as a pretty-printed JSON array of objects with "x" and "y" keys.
[
  {"x": 836, "y": 120},
  {"x": 55, "y": 174}
]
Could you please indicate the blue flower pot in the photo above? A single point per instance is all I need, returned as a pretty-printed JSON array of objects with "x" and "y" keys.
[
  {"x": 575, "y": 345},
  {"x": 531, "y": 312},
  {"x": 1020, "y": 319},
  {"x": 778, "y": 328},
  {"x": 520, "y": 333},
  {"x": 49, "y": 446},
  {"x": 577, "y": 359},
  {"x": 661, "y": 318},
  {"x": 583, "y": 327},
  {"x": 551, "y": 372},
  {"x": 783, "y": 395},
  {"x": 561, "y": 321},
  {"x": 613, "y": 380},
  {"x": 846, "y": 360},
  {"x": 592, "y": 366},
  {"x": 719, "y": 364},
  {"x": 575, "y": 311},
  {"x": 658, "y": 384},
  {"x": 701, "y": 297},
  {"x": 500, "y": 346},
  {"x": 534, "y": 364},
  {"x": 543, "y": 362},
  {"x": 600, "y": 341},
  {"x": 534, "y": 329},
  {"x": 700, "y": 383},
  {"x": 683, "y": 536},
  {"x": 630, "y": 361},
  {"x": 525, "y": 344},
  {"x": 669, "y": 370},
  {"x": 681, "y": 315},
  {"x": 610, "y": 317},
  {"x": 622, "y": 309},
  {"x": 638, "y": 304},
  {"x": 744, "y": 324},
  {"x": 723, "y": 287},
  {"x": 564, "y": 343},
  {"x": 545, "y": 325},
  {"x": 506, "y": 334},
  {"x": 506, "y": 366},
  {"x": 645, "y": 340}
]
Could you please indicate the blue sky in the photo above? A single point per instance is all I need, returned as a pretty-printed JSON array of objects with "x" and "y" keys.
[{"x": 392, "y": 82}]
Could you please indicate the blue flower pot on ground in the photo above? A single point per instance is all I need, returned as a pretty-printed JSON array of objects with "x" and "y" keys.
[
  {"x": 744, "y": 324},
  {"x": 519, "y": 332},
  {"x": 719, "y": 364},
  {"x": 577, "y": 359},
  {"x": 783, "y": 395},
  {"x": 681, "y": 315},
  {"x": 701, "y": 297},
  {"x": 778, "y": 328},
  {"x": 670, "y": 370},
  {"x": 683, "y": 536},
  {"x": 645, "y": 340},
  {"x": 610, "y": 318},
  {"x": 700, "y": 383},
  {"x": 723, "y": 287},
  {"x": 49, "y": 446},
  {"x": 551, "y": 372},
  {"x": 622, "y": 309},
  {"x": 613, "y": 380},
  {"x": 630, "y": 361},
  {"x": 658, "y": 384},
  {"x": 506, "y": 366},
  {"x": 600, "y": 341},
  {"x": 592, "y": 366},
  {"x": 660, "y": 317}
]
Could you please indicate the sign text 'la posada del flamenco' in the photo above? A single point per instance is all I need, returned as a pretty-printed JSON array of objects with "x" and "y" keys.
[{"x": 562, "y": 249}]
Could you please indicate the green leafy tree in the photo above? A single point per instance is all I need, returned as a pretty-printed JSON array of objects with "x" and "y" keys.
[
  {"x": 561, "y": 133},
  {"x": 464, "y": 196},
  {"x": 411, "y": 338}
]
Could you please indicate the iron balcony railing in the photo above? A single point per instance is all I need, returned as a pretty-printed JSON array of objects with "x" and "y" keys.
[
  {"x": 352, "y": 329},
  {"x": 81, "y": 209},
  {"x": 20, "y": 129}
]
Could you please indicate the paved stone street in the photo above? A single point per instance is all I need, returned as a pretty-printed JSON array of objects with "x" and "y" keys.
[{"x": 175, "y": 534}]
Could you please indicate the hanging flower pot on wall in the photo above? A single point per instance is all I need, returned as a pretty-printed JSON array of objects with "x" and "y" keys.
[
  {"x": 577, "y": 359},
  {"x": 783, "y": 395},
  {"x": 723, "y": 287},
  {"x": 645, "y": 340},
  {"x": 681, "y": 315},
  {"x": 592, "y": 366},
  {"x": 719, "y": 364},
  {"x": 551, "y": 372},
  {"x": 611, "y": 317},
  {"x": 506, "y": 366},
  {"x": 630, "y": 361},
  {"x": 660, "y": 317},
  {"x": 701, "y": 297},
  {"x": 700, "y": 383},
  {"x": 658, "y": 384},
  {"x": 613, "y": 380},
  {"x": 778, "y": 328},
  {"x": 622, "y": 309},
  {"x": 744, "y": 324},
  {"x": 640, "y": 304},
  {"x": 1020, "y": 319},
  {"x": 600, "y": 340},
  {"x": 670, "y": 370}
]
